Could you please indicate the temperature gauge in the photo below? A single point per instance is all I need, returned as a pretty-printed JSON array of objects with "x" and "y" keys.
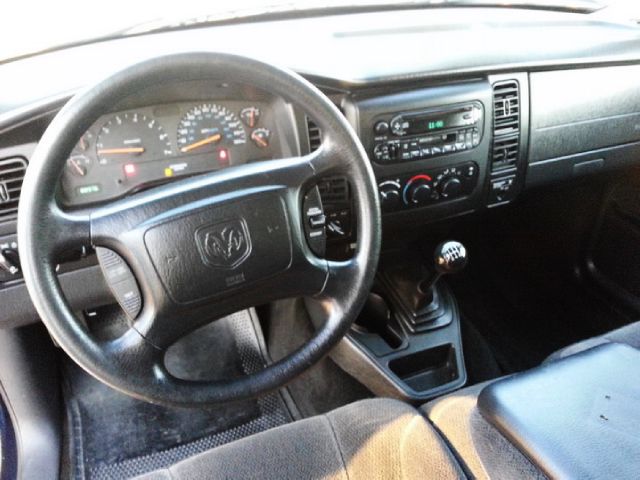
[
  {"x": 260, "y": 137},
  {"x": 250, "y": 116}
]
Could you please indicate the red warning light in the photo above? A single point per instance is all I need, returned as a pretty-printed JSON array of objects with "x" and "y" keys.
[
  {"x": 130, "y": 169},
  {"x": 223, "y": 157}
]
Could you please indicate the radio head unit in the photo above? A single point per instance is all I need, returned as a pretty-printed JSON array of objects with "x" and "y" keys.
[
  {"x": 428, "y": 133},
  {"x": 435, "y": 120}
]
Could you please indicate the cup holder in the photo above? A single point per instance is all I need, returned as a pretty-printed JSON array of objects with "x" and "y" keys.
[{"x": 427, "y": 369}]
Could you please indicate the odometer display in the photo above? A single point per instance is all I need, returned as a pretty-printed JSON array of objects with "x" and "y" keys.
[{"x": 205, "y": 127}]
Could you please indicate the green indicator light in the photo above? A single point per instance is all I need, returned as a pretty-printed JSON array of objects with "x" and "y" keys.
[{"x": 88, "y": 189}]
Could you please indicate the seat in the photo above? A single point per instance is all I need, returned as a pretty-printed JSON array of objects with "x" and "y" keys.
[
  {"x": 629, "y": 335},
  {"x": 482, "y": 451},
  {"x": 370, "y": 439},
  {"x": 381, "y": 439}
]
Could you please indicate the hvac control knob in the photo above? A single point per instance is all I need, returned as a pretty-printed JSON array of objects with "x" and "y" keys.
[
  {"x": 418, "y": 190},
  {"x": 450, "y": 187},
  {"x": 389, "y": 194}
]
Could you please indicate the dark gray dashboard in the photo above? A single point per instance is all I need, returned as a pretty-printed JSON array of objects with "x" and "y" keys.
[{"x": 555, "y": 106}]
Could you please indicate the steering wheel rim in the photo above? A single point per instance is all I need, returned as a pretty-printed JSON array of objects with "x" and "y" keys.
[{"x": 130, "y": 363}]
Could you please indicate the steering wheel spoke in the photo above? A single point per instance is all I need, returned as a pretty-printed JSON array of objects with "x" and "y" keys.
[{"x": 65, "y": 231}]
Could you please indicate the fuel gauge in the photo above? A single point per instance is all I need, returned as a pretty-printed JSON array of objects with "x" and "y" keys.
[
  {"x": 250, "y": 116},
  {"x": 78, "y": 165},
  {"x": 260, "y": 137}
]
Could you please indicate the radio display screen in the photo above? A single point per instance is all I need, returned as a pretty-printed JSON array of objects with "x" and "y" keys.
[
  {"x": 434, "y": 122},
  {"x": 436, "y": 125}
]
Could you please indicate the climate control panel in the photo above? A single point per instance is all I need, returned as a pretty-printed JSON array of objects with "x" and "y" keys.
[{"x": 420, "y": 189}]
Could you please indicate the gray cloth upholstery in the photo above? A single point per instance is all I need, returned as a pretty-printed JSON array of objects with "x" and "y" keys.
[
  {"x": 629, "y": 335},
  {"x": 370, "y": 439},
  {"x": 480, "y": 449}
]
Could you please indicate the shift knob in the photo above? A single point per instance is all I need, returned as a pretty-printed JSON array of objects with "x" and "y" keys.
[{"x": 450, "y": 257}]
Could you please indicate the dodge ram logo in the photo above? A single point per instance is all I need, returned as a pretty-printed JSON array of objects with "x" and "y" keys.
[{"x": 226, "y": 244}]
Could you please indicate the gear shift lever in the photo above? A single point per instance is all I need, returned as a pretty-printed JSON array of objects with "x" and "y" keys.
[
  {"x": 450, "y": 257},
  {"x": 426, "y": 304}
]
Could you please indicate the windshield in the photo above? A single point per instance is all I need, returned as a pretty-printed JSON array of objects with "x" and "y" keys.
[{"x": 32, "y": 25}]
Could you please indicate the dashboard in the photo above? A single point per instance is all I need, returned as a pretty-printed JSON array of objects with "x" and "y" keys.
[
  {"x": 460, "y": 110},
  {"x": 132, "y": 149}
]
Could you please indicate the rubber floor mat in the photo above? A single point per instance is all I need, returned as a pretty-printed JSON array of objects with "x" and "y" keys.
[{"x": 113, "y": 436}]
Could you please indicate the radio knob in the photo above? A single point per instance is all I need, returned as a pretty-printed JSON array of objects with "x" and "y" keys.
[
  {"x": 450, "y": 187},
  {"x": 381, "y": 128},
  {"x": 389, "y": 194}
]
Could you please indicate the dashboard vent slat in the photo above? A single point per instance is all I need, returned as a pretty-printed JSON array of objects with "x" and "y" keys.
[
  {"x": 315, "y": 136},
  {"x": 334, "y": 190},
  {"x": 12, "y": 172},
  {"x": 506, "y": 125}
]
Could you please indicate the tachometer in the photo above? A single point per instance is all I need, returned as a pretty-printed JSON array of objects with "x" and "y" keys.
[
  {"x": 132, "y": 137},
  {"x": 206, "y": 126}
]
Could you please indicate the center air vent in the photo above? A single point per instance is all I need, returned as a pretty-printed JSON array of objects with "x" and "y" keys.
[
  {"x": 506, "y": 125},
  {"x": 11, "y": 175},
  {"x": 334, "y": 190},
  {"x": 315, "y": 136}
]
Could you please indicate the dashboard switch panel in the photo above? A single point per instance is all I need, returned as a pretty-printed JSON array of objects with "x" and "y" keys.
[{"x": 433, "y": 186}]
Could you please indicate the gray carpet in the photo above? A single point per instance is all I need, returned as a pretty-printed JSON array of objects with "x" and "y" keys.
[{"x": 113, "y": 436}]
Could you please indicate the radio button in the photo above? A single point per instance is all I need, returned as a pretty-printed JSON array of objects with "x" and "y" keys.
[
  {"x": 381, "y": 152},
  {"x": 476, "y": 137}
]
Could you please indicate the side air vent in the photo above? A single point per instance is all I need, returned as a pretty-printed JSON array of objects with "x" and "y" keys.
[
  {"x": 315, "y": 136},
  {"x": 11, "y": 175},
  {"x": 334, "y": 190},
  {"x": 506, "y": 125}
]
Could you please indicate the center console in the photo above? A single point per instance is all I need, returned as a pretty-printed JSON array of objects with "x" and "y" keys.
[
  {"x": 429, "y": 148},
  {"x": 406, "y": 343}
]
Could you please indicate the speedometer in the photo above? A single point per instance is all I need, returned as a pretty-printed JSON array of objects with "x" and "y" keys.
[{"x": 207, "y": 126}]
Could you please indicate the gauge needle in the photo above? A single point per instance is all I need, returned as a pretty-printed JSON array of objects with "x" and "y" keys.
[
  {"x": 259, "y": 140},
  {"x": 106, "y": 151},
  {"x": 200, "y": 143},
  {"x": 77, "y": 167}
]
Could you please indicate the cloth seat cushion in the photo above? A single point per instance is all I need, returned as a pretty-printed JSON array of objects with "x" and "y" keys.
[{"x": 370, "y": 439}]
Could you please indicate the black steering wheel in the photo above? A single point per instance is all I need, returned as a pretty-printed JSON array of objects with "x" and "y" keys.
[{"x": 167, "y": 236}]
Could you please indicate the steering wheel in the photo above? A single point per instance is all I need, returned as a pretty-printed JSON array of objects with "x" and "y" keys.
[{"x": 202, "y": 247}]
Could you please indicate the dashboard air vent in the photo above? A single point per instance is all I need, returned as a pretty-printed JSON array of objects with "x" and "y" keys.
[
  {"x": 11, "y": 175},
  {"x": 315, "y": 136},
  {"x": 334, "y": 190},
  {"x": 506, "y": 125}
]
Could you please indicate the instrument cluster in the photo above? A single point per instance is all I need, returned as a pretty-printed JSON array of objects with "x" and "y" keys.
[{"x": 128, "y": 150}]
